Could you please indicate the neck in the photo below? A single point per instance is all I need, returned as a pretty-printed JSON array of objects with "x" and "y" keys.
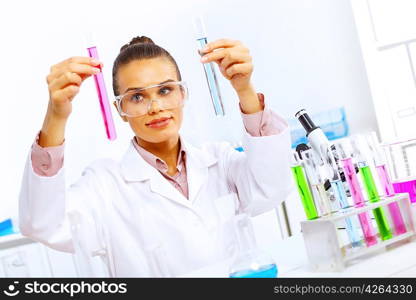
[{"x": 167, "y": 150}]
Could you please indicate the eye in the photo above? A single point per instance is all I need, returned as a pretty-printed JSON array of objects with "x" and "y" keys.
[
  {"x": 136, "y": 97},
  {"x": 165, "y": 90}
]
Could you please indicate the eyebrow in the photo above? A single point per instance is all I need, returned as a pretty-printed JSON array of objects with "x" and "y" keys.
[{"x": 137, "y": 88}]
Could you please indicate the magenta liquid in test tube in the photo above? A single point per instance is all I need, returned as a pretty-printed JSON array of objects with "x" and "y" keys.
[
  {"x": 388, "y": 190},
  {"x": 394, "y": 208},
  {"x": 370, "y": 235},
  {"x": 103, "y": 99}
]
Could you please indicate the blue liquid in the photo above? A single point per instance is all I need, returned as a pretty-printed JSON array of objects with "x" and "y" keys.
[
  {"x": 212, "y": 83},
  {"x": 6, "y": 227},
  {"x": 267, "y": 271},
  {"x": 350, "y": 223}
]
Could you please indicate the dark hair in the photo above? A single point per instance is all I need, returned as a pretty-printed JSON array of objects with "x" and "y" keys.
[{"x": 140, "y": 47}]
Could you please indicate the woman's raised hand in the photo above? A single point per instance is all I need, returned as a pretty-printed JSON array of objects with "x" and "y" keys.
[{"x": 64, "y": 82}]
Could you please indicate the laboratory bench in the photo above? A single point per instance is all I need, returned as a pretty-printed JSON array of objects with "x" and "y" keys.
[
  {"x": 291, "y": 259},
  {"x": 23, "y": 257}
]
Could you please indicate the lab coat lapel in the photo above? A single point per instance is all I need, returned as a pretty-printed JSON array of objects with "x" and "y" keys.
[
  {"x": 161, "y": 186},
  {"x": 135, "y": 168},
  {"x": 197, "y": 164}
]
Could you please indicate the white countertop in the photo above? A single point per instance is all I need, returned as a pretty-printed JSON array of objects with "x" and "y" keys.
[
  {"x": 290, "y": 256},
  {"x": 13, "y": 240}
]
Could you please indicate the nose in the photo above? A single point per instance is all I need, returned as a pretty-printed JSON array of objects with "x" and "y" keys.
[{"x": 154, "y": 107}]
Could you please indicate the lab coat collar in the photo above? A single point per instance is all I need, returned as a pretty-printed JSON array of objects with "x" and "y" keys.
[{"x": 135, "y": 168}]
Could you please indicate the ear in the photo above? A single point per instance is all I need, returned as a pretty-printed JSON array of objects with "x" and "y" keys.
[{"x": 122, "y": 117}]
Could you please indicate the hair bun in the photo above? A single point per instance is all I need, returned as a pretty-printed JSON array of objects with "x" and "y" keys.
[{"x": 138, "y": 40}]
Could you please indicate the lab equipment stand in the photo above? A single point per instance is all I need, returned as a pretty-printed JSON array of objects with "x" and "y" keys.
[{"x": 323, "y": 237}]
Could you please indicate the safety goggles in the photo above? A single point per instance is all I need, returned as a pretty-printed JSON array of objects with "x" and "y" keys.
[{"x": 138, "y": 102}]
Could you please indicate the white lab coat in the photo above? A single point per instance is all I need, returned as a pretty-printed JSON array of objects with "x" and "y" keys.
[{"x": 130, "y": 214}]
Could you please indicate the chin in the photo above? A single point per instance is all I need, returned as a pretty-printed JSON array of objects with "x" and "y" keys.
[{"x": 161, "y": 136}]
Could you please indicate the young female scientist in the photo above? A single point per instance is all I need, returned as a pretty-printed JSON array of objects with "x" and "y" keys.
[{"x": 166, "y": 200}]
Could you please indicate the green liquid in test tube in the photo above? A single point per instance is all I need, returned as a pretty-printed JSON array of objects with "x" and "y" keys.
[
  {"x": 379, "y": 214},
  {"x": 304, "y": 192}
]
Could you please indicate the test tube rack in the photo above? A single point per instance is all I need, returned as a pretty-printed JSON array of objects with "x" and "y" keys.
[{"x": 322, "y": 236}]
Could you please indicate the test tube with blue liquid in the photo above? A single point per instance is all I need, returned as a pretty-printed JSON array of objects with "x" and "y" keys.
[
  {"x": 320, "y": 144},
  {"x": 344, "y": 154},
  {"x": 341, "y": 196},
  {"x": 209, "y": 70}
]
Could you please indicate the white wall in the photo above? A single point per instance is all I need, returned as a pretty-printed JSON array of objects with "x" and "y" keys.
[
  {"x": 306, "y": 54},
  {"x": 387, "y": 33}
]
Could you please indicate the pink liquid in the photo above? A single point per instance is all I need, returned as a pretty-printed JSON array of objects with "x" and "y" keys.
[
  {"x": 103, "y": 98},
  {"x": 370, "y": 235},
  {"x": 408, "y": 186},
  {"x": 394, "y": 209}
]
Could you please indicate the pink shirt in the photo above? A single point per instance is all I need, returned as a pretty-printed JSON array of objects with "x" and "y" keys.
[
  {"x": 179, "y": 179},
  {"x": 48, "y": 161}
]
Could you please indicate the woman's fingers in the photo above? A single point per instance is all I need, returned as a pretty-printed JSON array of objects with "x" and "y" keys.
[
  {"x": 222, "y": 52},
  {"x": 66, "y": 94},
  {"x": 239, "y": 69},
  {"x": 81, "y": 60},
  {"x": 227, "y": 57},
  {"x": 65, "y": 79},
  {"x": 237, "y": 57},
  {"x": 234, "y": 60},
  {"x": 82, "y": 69},
  {"x": 221, "y": 43},
  {"x": 81, "y": 65}
]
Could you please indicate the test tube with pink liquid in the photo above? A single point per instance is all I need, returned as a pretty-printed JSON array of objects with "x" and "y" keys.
[
  {"x": 102, "y": 93},
  {"x": 344, "y": 154},
  {"x": 388, "y": 190}
]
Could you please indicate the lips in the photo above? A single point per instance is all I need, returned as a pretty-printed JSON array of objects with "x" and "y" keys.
[{"x": 158, "y": 123}]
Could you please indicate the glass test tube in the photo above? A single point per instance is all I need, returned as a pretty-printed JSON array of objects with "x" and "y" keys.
[
  {"x": 321, "y": 146},
  {"x": 351, "y": 226},
  {"x": 103, "y": 99},
  {"x": 341, "y": 196},
  {"x": 316, "y": 181},
  {"x": 209, "y": 70},
  {"x": 303, "y": 188},
  {"x": 370, "y": 235},
  {"x": 373, "y": 196},
  {"x": 388, "y": 190},
  {"x": 371, "y": 190}
]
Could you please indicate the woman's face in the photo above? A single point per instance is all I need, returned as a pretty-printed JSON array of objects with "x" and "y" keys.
[{"x": 143, "y": 73}]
